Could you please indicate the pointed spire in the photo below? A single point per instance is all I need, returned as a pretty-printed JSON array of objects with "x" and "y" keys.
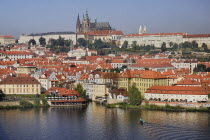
[
  {"x": 145, "y": 29},
  {"x": 86, "y": 15},
  {"x": 78, "y": 20},
  {"x": 140, "y": 30},
  {"x": 78, "y": 17}
]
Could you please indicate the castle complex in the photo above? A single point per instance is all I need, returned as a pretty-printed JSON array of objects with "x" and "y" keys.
[{"x": 86, "y": 25}]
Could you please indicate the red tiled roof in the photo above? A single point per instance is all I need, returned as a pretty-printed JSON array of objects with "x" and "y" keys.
[
  {"x": 6, "y": 36},
  {"x": 188, "y": 82},
  {"x": 189, "y": 90},
  {"x": 196, "y": 35},
  {"x": 15, "y": 53}
]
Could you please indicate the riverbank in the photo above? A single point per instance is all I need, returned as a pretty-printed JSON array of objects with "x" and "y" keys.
[
  {"x": 175, "y": 108},
  {"x": 23, "y": 104},
  {"x": 156, "y": 107},
  {"x": 122, "y": 105}
]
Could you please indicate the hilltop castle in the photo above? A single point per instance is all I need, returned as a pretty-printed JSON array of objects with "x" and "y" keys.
[{"x": 86, "y": 25}]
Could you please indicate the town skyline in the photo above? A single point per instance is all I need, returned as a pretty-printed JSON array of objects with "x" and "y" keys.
[{"x": 162, "y": 16}]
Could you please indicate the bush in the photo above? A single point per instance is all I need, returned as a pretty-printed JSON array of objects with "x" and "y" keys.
[
  {"x": 26, "y": 104},
  {"x": 36, "y": 102},
  {"x": 45, "y": 103}
]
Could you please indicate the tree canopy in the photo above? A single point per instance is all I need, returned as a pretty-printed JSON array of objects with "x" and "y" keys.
[
  {"x": 163, "y": 47},
  {"x": 42, "y": 41},
  {"x": 81, "y": 91},
  {"x": 82, "y": 42},
  {"x": 32, "y": 41},
  {"x": 134, "y": 95}
]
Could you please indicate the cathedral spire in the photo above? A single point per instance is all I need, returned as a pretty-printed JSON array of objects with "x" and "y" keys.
[{"x": 78, "y": 20}]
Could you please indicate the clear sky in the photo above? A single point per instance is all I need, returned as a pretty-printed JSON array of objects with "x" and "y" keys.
[{"x": 161, "y": 16}]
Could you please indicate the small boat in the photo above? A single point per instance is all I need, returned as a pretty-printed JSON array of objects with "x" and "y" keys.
[{"x": 141, "y": 121}]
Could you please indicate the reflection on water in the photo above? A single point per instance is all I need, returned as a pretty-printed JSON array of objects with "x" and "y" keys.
[{"x": 97, "y": 122}]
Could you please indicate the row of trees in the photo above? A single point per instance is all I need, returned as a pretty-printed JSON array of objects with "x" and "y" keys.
[
  {"x": 135, "y": 47},
  {"x": 201, "y": 68},
  {"x": 53, "y": 42}
]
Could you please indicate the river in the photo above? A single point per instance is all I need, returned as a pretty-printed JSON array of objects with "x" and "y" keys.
[{"x": 95, "y": 122}]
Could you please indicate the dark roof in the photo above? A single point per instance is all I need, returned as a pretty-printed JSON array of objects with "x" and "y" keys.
[
  {"x": 50, "y": 33},
  {"x": 19, "y": 80},
  {"x": 102, "y": 25}
]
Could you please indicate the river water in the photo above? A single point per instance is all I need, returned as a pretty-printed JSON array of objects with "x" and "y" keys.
[{"x": 95, "y": 122}]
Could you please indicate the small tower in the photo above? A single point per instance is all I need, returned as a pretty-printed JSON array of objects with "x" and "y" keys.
[
  {"x": 145, "y": 29},
  {"x": 140, "y": 30}
]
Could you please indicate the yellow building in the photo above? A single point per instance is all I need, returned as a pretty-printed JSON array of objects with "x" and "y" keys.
[
  {"x": 20, "y": 85},
  {"x": 143, "y": 79},
  {"x": 26, "y": 68}
]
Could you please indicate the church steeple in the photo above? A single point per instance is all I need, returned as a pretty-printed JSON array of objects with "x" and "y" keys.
[
  {"x": 78, "y": 20},
  {"x": 86, "y": 15},
  {"x": 78, "y": 25}
]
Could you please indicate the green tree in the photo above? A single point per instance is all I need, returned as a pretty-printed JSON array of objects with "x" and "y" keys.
[
  {"x": 16, "y": 41},
  {"x": 60, "y": 41},
  {"x": 26, "y": 104},
  {"x": 163, "y": 47},
  {"x": 200, "y": 68},
  {"x": 171, "y": 44},
  {"x": 42, "y": 41},
  {"x": 175, "y": 46},
  {"x": 125, "y": 45},
  {"x": 80, "y": 90},
  {"x": 134, "y": 95},
  {"x": 67, "y": 42},
  {"x": 53, "y": 42},
  {"x": 98, "y": 43},
  {"x": 82, "y": 42},
  {"x": 32, "y": 41},
  {"x": 205, "y": 47},
  {"x": 194, "y": 44}
]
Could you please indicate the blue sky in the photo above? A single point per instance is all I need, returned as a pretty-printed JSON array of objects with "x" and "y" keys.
[{"x": 160, "y": 16}]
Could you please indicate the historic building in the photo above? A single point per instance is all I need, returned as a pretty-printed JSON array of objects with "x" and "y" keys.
[
  {"x": 86, "y": 25},
  {"x": 6, "y": 40},
  {"x": 20, "y": 85}
]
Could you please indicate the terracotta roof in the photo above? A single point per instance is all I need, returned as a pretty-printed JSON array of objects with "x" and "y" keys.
[
  {"x": 15, "y": 53},
  {"x": 6, "y": 36},
  {"x": 196, "y": 35},
  {"x": 7, "y": 62},
  {"x": 185, "y": 90},
  {"x": 18, "y": 80},
  {"x": 62, "y": 91},
  {"x": 188, "y": 82}
]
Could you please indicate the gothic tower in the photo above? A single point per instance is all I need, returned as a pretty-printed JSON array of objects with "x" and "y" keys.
[
  {"x": 78, "y": 25},
  {"x": 86, "y": 23}
]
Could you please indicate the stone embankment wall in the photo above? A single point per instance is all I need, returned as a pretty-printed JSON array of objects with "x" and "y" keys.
[
  {"x": 12, "y": 103},
  {"x": 194, "y": 105}
]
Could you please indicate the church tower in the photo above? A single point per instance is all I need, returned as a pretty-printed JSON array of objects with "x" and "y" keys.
[
  {"x": 86, "y": 23},
  {"x": 78, "y": 25},
  {"x": 145, "y": 29},
  {"x": 140, "y": 30}
]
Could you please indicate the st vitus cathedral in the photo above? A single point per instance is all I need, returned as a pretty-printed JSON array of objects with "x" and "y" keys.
[{"x": 86, "y": 25}]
